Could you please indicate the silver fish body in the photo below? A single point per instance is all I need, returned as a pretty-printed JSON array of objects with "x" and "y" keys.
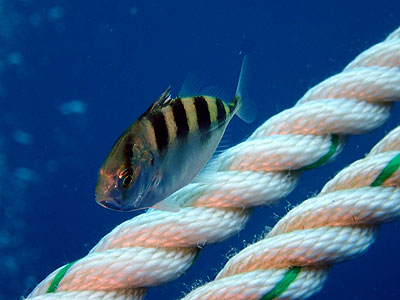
[{"x": 164, "y": 149}]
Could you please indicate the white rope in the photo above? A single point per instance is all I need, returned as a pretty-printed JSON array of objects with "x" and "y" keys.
[
  {"x": 95, "y": 295},
  {"x": 255, "y": 172},
  {"x": 338, "y": 224}
]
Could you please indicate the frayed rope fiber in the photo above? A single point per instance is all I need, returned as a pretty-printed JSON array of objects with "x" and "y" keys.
[{"x": 157, "y": 246}]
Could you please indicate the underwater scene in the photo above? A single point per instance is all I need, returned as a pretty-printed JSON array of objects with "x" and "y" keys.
[{"x": 74, "y": 75}]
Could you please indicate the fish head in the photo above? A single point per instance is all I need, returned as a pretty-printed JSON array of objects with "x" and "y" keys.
[{"x": 123, "y": 181}]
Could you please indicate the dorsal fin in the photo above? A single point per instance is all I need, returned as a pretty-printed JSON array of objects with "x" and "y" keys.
[
  {"x": 161, "y": 101},
  {"x": 192, "y": 86}
]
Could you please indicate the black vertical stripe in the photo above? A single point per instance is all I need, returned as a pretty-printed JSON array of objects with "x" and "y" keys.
[
  {"x": 128, "y": 152},
  {"x": 157, "y": 120},
  {"x": 221, "y": 112},
  {"x": 202, "y": 112},
  {"x": 180, "y": 118}
]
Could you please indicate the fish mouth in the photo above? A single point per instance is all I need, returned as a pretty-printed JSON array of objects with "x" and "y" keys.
[
  {"x": 116, "y": 204},
  {"x": 110, "y": 203}
]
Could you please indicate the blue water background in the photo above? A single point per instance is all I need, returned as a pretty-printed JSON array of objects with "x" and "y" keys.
[{"x": 111, "y": 59}]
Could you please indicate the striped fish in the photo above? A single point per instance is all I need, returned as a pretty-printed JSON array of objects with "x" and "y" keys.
[{"x": 164, "y": 149}]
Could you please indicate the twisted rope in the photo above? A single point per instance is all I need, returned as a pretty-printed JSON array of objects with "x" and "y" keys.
[
  {"x": 338, "y": 224},
  {"x": 158, "y": 246}
]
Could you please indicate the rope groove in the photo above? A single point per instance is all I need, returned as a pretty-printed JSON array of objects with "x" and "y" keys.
[
  {"x": 158, "y": 246},
  {"x": 336, "y": 225}
]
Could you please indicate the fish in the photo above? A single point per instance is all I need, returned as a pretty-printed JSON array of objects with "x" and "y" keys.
[{"x": 165, "y": 148}]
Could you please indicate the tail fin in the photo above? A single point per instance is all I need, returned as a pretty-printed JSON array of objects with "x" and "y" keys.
[{"x": 244, "y": 106}]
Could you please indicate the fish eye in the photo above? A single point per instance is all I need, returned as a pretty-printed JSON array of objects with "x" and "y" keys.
[{"x": 126, "y": 179}]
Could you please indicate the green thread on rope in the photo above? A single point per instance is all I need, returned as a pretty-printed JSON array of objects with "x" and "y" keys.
[
  {"x": 326, "y": 157},
  {"x": 59, "y": 276},
  {"x": 387, "y": 171},
  {"x": 282, "y": 285}
]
